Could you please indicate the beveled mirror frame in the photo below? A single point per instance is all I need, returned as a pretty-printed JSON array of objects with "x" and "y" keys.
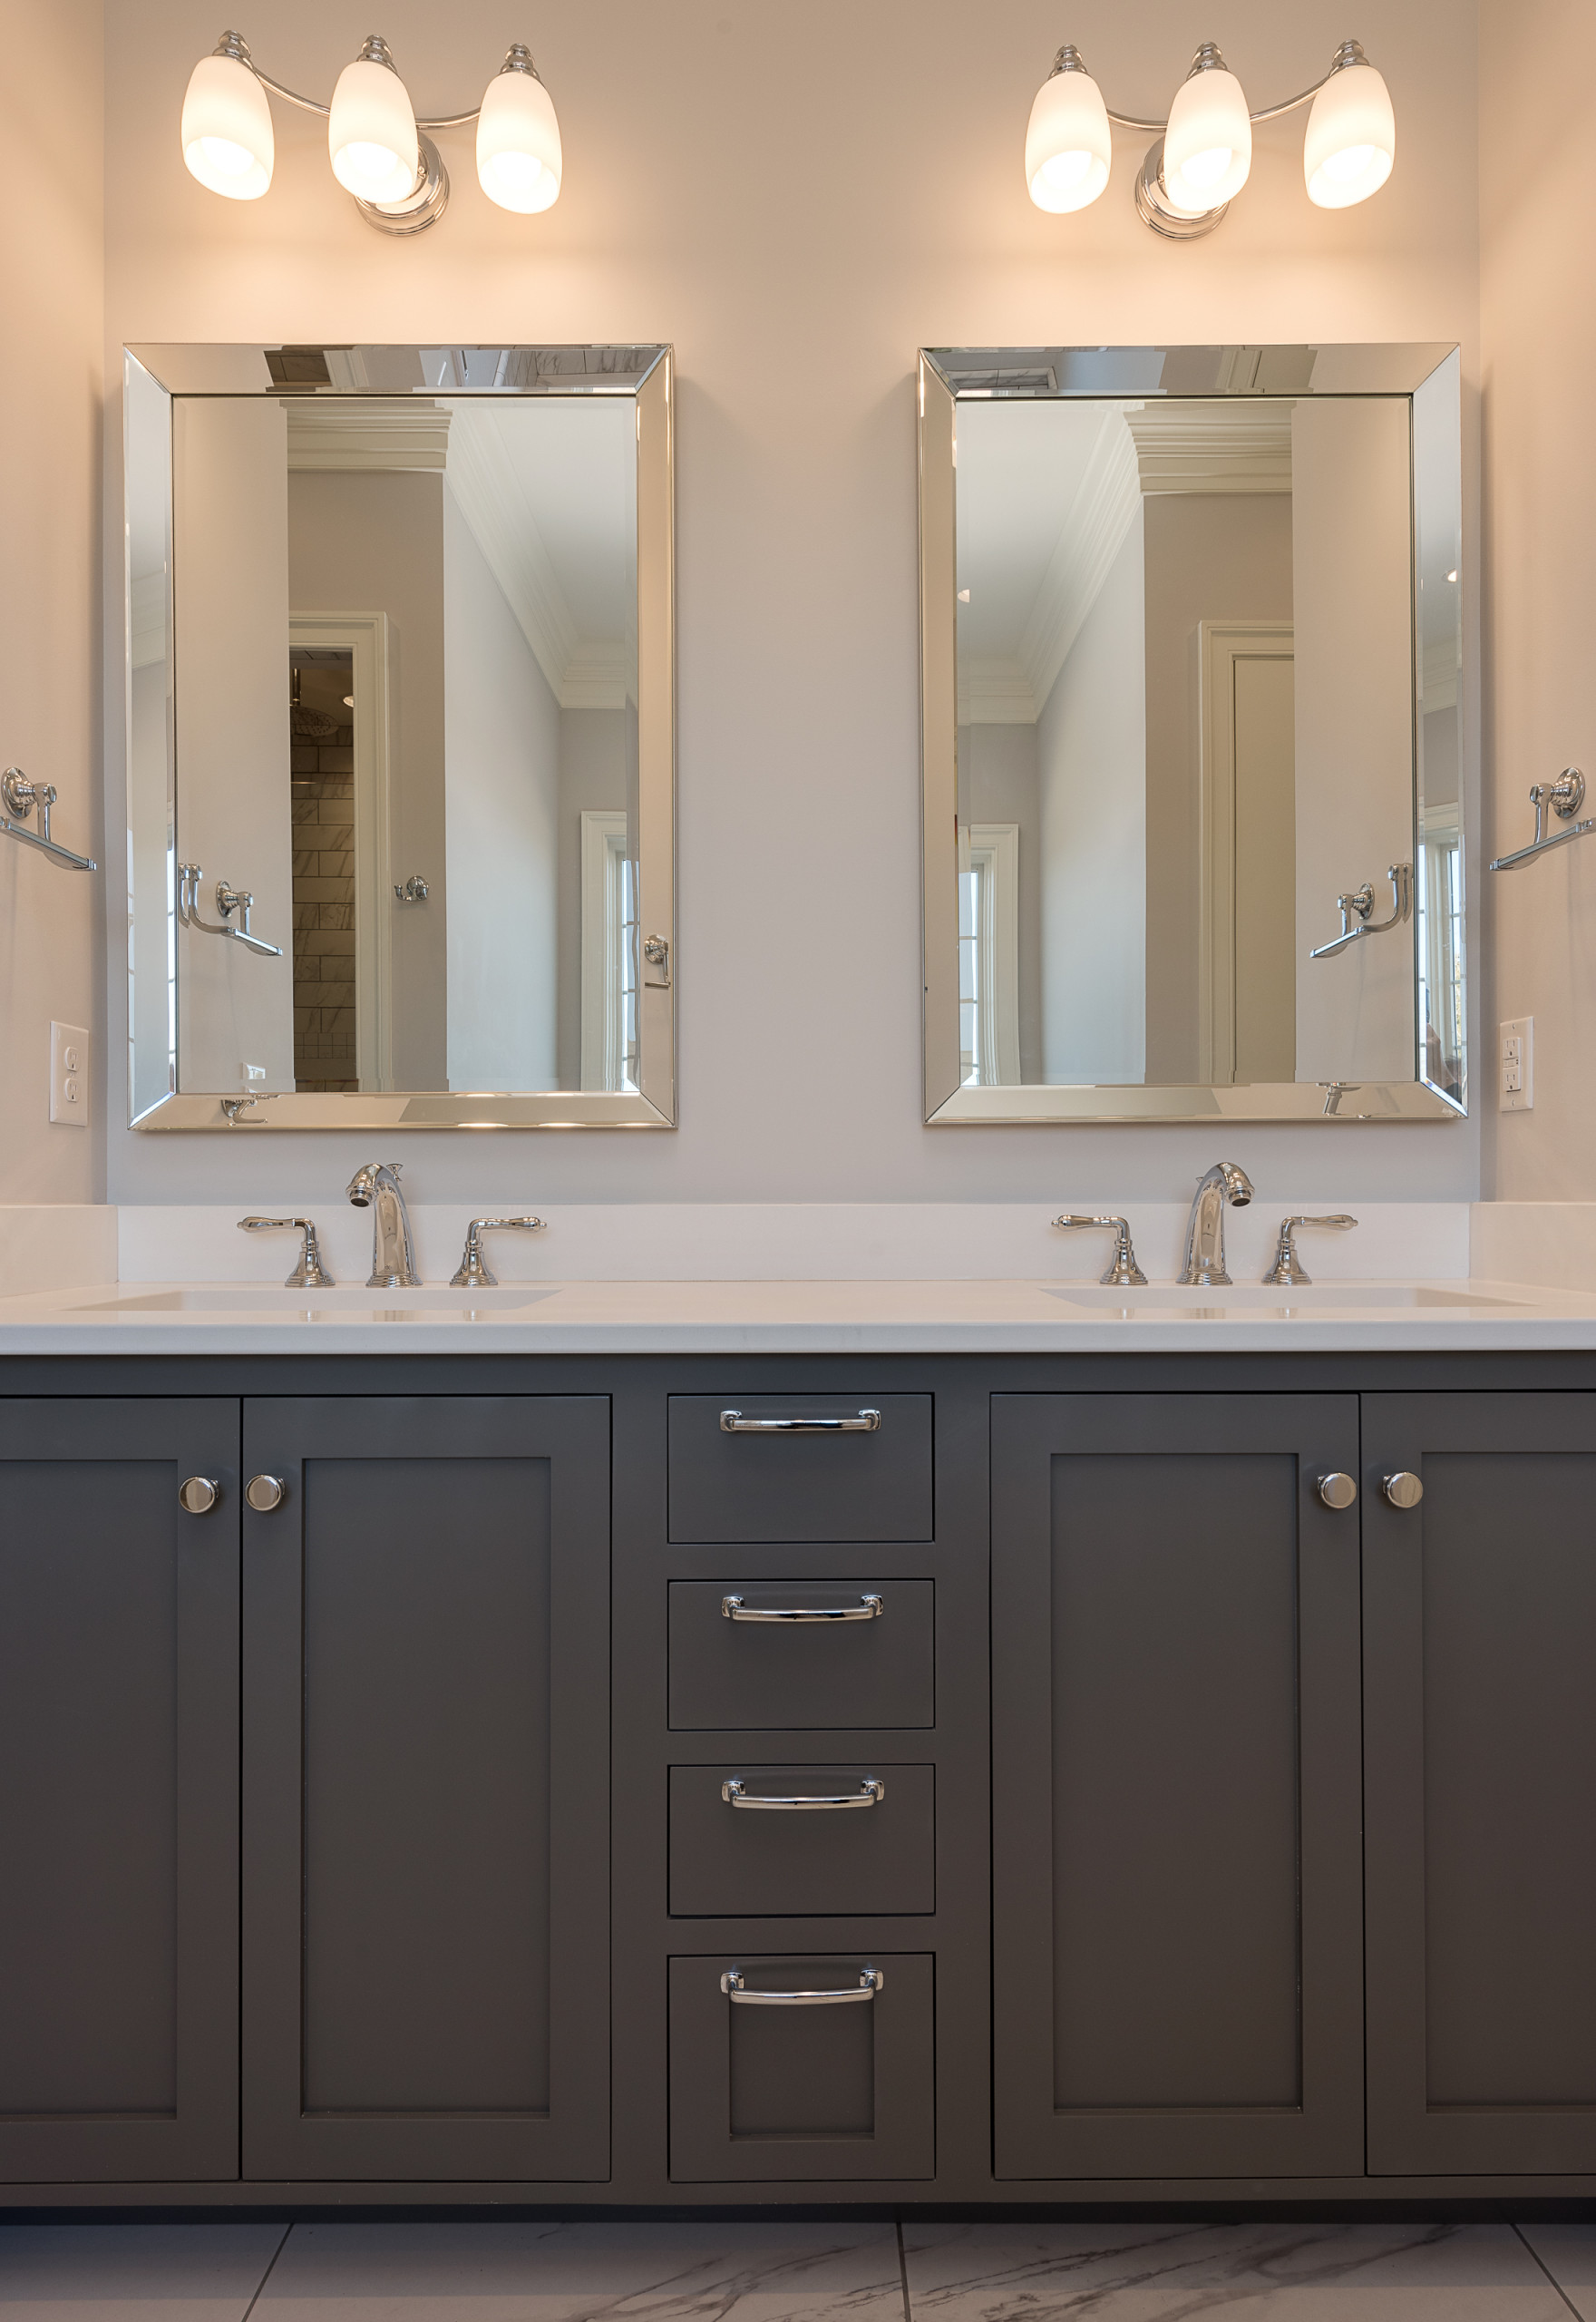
[
  {"x": 644, "y": 373},
  {"x": 1428, "y": 375}
]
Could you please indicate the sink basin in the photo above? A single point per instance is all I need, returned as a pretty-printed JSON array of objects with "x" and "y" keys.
[
  {"x": 1165, "y": 1298},
  {"x": 430, "y": 1303}
]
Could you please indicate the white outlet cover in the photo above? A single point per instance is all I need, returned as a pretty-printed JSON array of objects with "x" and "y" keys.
[
  {"x": 70, "y": 1061},
  {"x": 1516, "y": 1062}
]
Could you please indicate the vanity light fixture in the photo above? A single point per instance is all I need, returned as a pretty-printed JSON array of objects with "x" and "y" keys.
[
  {"x": 379, "y": 150},
  {"x": 1203, "y": 153}
]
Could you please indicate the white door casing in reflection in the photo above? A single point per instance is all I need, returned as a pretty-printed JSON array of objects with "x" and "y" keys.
[{"x": 1247, "y": 965}]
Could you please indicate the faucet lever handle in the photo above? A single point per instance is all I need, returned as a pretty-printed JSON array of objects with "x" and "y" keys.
[
  {"x": 1122, "y": 1268},
  {"x": 1288, "y": 1267},
  {"x": 474, "y": 1272},
  {"x": 309, "y": 1273}
]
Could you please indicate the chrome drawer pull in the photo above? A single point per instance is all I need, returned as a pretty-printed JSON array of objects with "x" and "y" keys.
[
  {"x": 865, "y": 1422},
  {"x": 870, "y": 1793},
  {"x": 871, "y": 1980},
  {"x": 868, "y": 1608}
]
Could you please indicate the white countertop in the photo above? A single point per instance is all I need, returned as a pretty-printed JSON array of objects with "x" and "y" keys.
[{"x": 796, "y": 1318}]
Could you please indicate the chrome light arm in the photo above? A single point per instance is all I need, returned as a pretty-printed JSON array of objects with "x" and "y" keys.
[
  {"x": 1565, "y": 797},
  {"x": 474, "y": 1272},
  {"x": 1122, "y": 1267},
  {"x": 1359, "y": 905},
  {"x": 21, "y": 796}
]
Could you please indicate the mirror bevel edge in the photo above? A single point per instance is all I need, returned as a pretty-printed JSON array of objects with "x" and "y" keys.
[
  {"x": 653, "y": 1105},
  {"x": 1377, "y": 369}
]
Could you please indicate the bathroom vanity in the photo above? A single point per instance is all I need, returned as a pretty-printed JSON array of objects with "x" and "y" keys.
[{"x": 436, "y": 1813}]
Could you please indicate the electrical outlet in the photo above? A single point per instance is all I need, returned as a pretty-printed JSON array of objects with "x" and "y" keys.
[
  {"x": 69, "y": 1075},
  {"x": 1515, "y": 1065}
]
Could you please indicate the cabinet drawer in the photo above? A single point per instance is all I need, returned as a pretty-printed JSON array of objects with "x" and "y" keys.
[
  {"x": 754, "y": 1675},
  {"x": 812, "y": 2089},
  {"x": 776, "y": 1468},
  {"x": 734, "y": 1860}
]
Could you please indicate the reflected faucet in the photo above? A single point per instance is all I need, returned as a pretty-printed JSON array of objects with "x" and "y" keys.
[
  {"x": 1205, "y": 1229},
  {"x": 392, "y": 1261}
]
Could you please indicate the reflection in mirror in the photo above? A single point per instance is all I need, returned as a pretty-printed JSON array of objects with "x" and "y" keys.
[
  {"x": 437, "y": 622},
  {"x": 1196, "y": 848},
  {"x": 392, "y": 802}
]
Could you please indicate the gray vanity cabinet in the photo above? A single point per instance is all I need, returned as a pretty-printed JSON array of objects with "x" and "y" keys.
[
  {"x": 119, "y": 1739},
  {"x": 1480, "y": 1707},
  {"x": 1176, "y": 1786},
  {"x": 425, "y": 1788}
]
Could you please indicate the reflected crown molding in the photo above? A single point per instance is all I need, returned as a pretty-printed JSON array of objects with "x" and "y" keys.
[
  {"x": 352, "y": 435},
  {"x": 1213, "y": 447}
]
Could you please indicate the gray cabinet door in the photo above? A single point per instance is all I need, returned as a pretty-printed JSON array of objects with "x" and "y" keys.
[
  {"x": 425, "y": 1788},
  {"x": 119, "y": 1786},
  {"x": 1176, "y": 1908},
  {"x": 1480, "y": 1638}
]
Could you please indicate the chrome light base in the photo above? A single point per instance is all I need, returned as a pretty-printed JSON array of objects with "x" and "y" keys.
[
  {"x": 422, "y": 207},
  {"x": 1154, "y": 207}
]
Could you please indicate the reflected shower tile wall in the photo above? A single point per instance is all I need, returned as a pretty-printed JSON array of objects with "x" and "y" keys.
[{"x": 324, "y": 916}]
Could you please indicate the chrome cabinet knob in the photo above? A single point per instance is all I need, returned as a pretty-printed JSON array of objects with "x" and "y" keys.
[
  {"x": 1337, "y": 1489},
  {"x": 1404, "y": 1489},
  {"x": 264, "y": 1493},
  {"x": 198, "y": 1495}
]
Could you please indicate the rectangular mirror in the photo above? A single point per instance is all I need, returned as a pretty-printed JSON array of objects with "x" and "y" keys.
[
  {"x": 1190, "y": 652},
  {"x": 401, "y": 756}
]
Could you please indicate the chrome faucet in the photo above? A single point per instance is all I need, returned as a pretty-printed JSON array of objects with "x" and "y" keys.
[
  {"x": 393, "y": 1260},
  {"x": 1205, "y": 1229}
]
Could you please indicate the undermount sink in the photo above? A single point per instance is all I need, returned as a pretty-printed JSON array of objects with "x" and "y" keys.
[
  {"x": 1204, "y": 1302},
  {"x": 334, "y": 1305}
]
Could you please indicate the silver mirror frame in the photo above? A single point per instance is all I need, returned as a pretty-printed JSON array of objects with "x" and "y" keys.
[
  {"x": 1429, "y": 375},
  {"x": 646, "y": 373}
]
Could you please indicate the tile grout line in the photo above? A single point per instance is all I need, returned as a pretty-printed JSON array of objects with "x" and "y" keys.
[
  {"x": 1545, "y": 2268},
  {"x": 266, "y": 2277},
  {"x": 902, "y": 2271}
]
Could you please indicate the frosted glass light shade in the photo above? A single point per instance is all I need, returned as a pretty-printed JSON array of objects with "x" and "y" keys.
[
  {"x": 227, "y": 128},
  {"x": 519, "y": 159},
  {"x": 371, "y": 132},
  {"x": 1208, "y": 145},
  {"x": 1067, "y": 144},
  {"x": 1351, "y": 139}
]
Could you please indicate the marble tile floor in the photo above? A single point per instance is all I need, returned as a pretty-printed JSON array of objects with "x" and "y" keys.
[{"x": 715, "y": 2272}]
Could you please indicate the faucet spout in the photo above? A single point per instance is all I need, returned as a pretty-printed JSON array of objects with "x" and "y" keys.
[
  {"x": 392, "y": 1258},
  {"x": 1223, "y": 1185}
]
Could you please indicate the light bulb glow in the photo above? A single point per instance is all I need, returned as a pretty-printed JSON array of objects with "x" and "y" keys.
[
  {"x": 227, "y": 133},
  {"x": 1068, "y": 143},
  {"x": 371, "y": 134},
  {"x": 1351, "y": 141},
  {"x": 519, "y": 158},
  {"x": 1208, "y": 145}
]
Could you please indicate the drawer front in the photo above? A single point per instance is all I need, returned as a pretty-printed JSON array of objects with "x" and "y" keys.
[
  {"x": 781, "y": 1468},
  {"x": 754, "y": 1675},
  {"x": 767, "y": 2094},
  {"x": 733, "y": 1858}
]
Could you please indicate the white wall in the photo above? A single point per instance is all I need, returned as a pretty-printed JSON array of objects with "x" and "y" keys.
[
  {"x": 1091, "y": 759},
  {"x": 1353, "y": 582},
  {"x": 1538, "y": 324},
  {"x": 598, "y": 775},
  {"x": 501, "y": 801},
  {"x": 797, "y": 252},
  {"x": 230, "y": 598},
  {"x": 52, "y": 949}
]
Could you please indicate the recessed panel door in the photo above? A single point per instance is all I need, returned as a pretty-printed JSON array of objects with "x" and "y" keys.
[
  {"x": 425, "y": 1787},
  {"x": 119, "y": 1790},
  {"x": 1480, "y": 1636},
  {"x": 1177, "y": 1917}
]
